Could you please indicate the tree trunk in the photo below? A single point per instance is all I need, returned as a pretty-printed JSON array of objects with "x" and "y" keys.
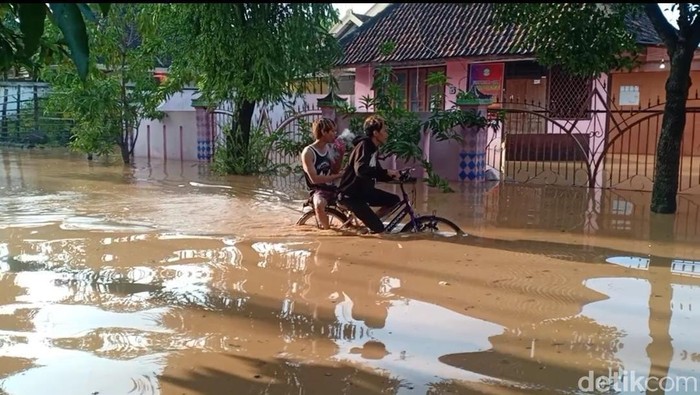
[
  {"x": 236, "y": 155},
  {"x": 126, "y": 155},
  {"x": 245, "y": 120},
  {"x": 128, "y": 141},
  {"x": 668, "y": 150}
]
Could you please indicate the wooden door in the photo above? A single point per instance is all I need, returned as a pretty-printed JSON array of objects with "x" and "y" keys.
[{"x": 525, "y": 94}]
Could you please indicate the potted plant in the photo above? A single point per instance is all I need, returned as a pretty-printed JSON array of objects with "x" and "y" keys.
[{"x": 472, "y": 97}]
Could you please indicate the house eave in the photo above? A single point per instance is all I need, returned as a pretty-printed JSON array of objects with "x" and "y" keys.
[
  {"x": 439, "y": 61},
  {"x": 348, "y": 18}
]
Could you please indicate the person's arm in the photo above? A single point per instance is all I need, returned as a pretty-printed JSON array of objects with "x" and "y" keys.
[
  {"x": 362, "y": 167},
  {"x": 383, "y": 174},
  {"x": 307, "y": 162}
]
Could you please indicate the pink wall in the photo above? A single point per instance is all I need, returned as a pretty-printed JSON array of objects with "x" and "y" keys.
[
  {"x": 173, "y": 145},
  {"x": 654, "y": 56},
  {"x": 443, "y": 155},
  {"x": 457, "y": 73},
  {"x": 363, "y": 86}
]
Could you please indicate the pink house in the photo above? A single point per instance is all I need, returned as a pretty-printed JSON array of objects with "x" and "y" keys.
[{"x": 459, "y": 40}]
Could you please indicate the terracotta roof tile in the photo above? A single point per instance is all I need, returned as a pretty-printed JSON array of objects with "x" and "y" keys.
[{"x": 427, "y": 31}]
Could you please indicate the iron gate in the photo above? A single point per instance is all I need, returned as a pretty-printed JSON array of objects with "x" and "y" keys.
[{"x": 606, "y": 147}]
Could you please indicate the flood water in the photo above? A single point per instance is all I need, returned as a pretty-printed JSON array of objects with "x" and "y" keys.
[{"x": 162, "y": 279}]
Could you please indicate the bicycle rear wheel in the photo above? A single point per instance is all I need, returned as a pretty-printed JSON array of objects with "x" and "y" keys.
[
  {"x": 336, "y": 219},
  {"x": 433, "y": 224}
]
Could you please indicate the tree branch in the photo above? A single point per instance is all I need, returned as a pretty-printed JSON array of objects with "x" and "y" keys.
[
  {"x": 684, "y": 19},
  {"x": 668, "y": 33},
  {"x": 695, "y": 29}
]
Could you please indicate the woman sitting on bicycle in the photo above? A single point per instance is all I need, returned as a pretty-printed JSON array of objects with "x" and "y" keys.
[
  {"x": 318, "y": 160},
  {"x": 357, "y": 185}
]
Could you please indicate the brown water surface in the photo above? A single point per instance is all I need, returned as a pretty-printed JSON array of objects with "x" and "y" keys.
[{"x": 162, "y": 279}]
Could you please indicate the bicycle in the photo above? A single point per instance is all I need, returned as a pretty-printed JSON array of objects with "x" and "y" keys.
[{"x": 338, "y": 214}]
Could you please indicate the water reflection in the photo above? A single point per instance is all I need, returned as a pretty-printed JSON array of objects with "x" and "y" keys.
[
  {"x": 165, "y": 281},
  {"x": 267, "y": 298},
  {"x": 279, "y": 296},
  {"x": 642, "y": 327},
  {"x": 581, "y": 211},
  {"x": 410, "y": 348},
  {"x": 684, "y": 267}
]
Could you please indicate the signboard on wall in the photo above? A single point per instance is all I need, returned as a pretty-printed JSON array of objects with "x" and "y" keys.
[
  {"x": 488, "y": 78},
  {"x": 629, "y": 95}
]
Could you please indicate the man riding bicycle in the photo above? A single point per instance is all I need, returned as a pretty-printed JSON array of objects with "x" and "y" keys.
[
  {"x": 318, "y": 160},
  {"x": 357, "y": 184}
]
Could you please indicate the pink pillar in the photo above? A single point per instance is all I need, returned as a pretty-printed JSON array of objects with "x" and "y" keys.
[{"x": 327, "y": 106}]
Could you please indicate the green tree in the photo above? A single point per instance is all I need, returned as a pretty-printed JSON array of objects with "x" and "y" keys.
[
  {"x": 588, "y": 39},
  {"x": 119, "y": 89},
  {"x": 22, "y": 40},
  {"x": 246, "y": 52}
]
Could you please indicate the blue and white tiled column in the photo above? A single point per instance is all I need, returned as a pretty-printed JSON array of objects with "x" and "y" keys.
[
  {"x": 472, "y": 158},
  {"x": 204, "y": 134}
]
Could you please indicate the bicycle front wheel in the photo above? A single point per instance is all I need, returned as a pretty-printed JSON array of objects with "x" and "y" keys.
[
  {"x": 433, "y": 224},
  {"x": 336, "y": 219}
]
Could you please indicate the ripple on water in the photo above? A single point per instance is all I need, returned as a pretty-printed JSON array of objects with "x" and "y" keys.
[
  {"x": 105, "y": 225},
  {"x": 28, "y": 209}
]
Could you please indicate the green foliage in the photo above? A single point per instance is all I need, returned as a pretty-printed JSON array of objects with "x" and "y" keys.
[
  {"x": 92, "y": 106},
  {"x": 119, "y": 89},
  {"x": 434, "y": 180},
  {"x": 389, "y": 102},
  {"x": 253, "y": 160},
  {"x": 585, "y": 39},
  {"x": 406, "y": 127},
  {"x": 251, "y": 51},
  {"x": 356, "y": 125},
  {"x": 247, "y": 52},
  {"x": 442, "y": 122},
  {"x": 292, "y": 145},
  {"x": 22, "y": 39}
]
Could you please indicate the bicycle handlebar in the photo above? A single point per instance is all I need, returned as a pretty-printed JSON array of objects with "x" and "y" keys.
[{"x": 405, "y": 176}]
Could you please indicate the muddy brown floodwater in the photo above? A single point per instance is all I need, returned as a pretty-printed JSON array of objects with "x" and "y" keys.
[{"x": 161, "y": 279}]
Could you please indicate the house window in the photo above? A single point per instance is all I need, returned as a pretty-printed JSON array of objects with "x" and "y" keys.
[
  {"x": 346, "y": 85},
  {"x": 569, "y": 96},
  {"x": 415, "y": 90},
  {"x": 314, "y": 85}
]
